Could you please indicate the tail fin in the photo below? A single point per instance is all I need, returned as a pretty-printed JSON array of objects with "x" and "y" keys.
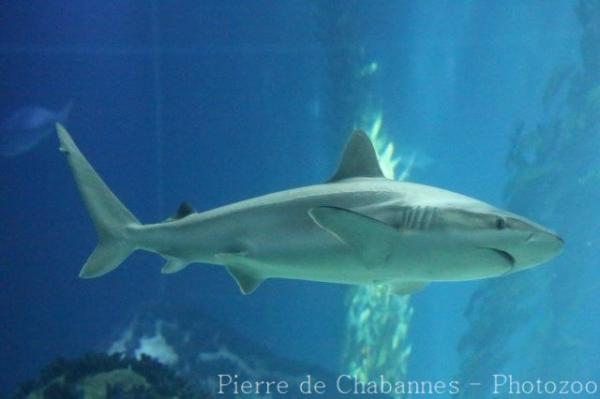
[{"x": 109, "y": 215}]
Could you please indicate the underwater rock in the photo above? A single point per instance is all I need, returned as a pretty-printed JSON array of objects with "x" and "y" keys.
[
  {"x": 101, "y": 376},
  {"x": 199, "y": 348}
]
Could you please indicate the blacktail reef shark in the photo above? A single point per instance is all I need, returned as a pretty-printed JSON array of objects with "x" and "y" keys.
[{"x": 358, "y": 228}]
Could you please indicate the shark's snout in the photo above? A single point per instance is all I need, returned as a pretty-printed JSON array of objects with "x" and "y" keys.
[
  {"x": 548, "y": 241},
  {"x": 539, "y": 247}
]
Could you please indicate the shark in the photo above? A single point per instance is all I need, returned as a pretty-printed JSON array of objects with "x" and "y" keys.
[{"x": 357, "y": 228}]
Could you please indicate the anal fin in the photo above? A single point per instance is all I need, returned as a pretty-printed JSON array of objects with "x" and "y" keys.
[{"x": 246, "y": 281}]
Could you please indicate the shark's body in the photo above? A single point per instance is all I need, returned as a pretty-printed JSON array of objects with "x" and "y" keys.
[{"x": 359, "y": 228}]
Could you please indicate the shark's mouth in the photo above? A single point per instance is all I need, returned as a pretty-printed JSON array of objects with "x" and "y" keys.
[{"x": 505, "y": 255}]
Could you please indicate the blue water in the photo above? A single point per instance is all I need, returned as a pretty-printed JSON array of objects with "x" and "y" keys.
[{"x": 217, "y": 101}]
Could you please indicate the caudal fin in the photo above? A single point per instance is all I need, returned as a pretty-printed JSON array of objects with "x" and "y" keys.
[{"x": 112, "y": 219}]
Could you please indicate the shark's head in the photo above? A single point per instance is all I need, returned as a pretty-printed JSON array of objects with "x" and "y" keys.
[
  {"x": 528, "y": 243},
  {"x": 502, "y": 240},
  {"x": 444, "y": 236}
]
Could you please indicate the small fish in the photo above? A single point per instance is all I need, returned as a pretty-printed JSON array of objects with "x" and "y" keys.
[{"x": 27, "y": 127}]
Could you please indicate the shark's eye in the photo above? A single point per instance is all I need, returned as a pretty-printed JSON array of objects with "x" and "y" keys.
[{"x": 500, "y": 223}]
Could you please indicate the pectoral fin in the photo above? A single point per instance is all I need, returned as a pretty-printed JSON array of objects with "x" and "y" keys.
[
  {"x": 407, "y": 287},
  {"x": 240, "y": 268},
  {"x": 371, "y": 239}
]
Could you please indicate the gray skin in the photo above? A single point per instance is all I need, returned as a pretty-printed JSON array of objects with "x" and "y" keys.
[{"x": 359, "y": 228}]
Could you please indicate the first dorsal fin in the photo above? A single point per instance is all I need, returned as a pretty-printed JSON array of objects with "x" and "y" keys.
[{"x": 358, "y": 160}]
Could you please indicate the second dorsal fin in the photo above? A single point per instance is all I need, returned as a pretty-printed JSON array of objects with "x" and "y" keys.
[
  {"x": 358, "y": 160},
  {"x": 185, "y": 209}
]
